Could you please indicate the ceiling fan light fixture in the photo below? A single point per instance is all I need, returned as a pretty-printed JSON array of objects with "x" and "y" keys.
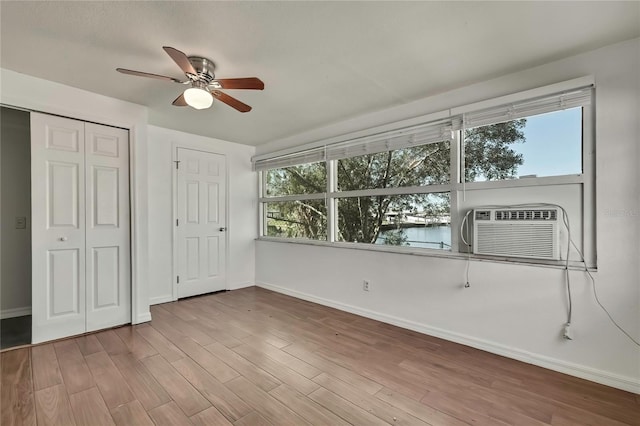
[{"x": 198, "y": 98}]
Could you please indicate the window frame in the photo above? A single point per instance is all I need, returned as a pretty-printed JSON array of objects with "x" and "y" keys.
[{"x": 456, "y": 187}]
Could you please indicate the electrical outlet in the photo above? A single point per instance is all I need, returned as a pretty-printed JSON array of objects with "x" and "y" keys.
[{"x": 365, "y": 285}]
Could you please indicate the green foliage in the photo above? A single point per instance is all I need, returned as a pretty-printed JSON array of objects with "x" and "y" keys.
[
  {"x": 488, "y": 155},
  {"x": 396, "y": 237}
]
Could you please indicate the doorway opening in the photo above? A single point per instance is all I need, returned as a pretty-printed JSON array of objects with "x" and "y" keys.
[{"x": 15, "y": 247}]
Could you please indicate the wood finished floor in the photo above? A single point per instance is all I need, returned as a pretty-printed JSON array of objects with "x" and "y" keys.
[{"x": 254, "y": 357}]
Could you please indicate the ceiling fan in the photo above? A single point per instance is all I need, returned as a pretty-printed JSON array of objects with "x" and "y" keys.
[{"x": 203, "y": 86}]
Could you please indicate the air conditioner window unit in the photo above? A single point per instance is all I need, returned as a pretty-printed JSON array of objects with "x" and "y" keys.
[{"x": 527, "y": 233}]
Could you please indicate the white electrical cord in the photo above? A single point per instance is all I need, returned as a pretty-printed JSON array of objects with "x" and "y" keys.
[{"x": 570, "y": 242}]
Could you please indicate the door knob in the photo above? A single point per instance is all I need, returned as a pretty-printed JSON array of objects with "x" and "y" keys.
[
  {"x": 222, "y": 229},
  {"x": 62, "y": 239}
]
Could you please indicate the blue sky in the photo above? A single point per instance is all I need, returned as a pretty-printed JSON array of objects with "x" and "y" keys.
[{"x": 554, "y": 144}]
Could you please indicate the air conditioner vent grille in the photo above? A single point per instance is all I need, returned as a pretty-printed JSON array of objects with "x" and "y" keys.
[
  {"x": 550, "y": 214},
  {"x": 526, "y": 233}
]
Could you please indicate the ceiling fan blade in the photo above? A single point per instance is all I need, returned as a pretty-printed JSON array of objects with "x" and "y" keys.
[
  {"x": 147, "y": 74},
  {"x": 180, "y": 101},
  {"x": 181, "y": 59},
  {"x": 231, "y": 101},
  {"x": 252, "y": 83}
]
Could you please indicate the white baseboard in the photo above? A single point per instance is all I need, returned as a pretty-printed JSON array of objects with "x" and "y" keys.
[
  {"x": 603, "y": 377},
  {"x": 238, "y": 286},
  {"x": 15, "y": 312},
  {"x": 160, "y": 299}
]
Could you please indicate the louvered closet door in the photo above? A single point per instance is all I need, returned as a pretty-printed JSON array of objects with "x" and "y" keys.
[{"x": 80, "y": 219}]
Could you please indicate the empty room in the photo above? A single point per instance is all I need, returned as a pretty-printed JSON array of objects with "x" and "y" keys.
[{"x": 319, "y": 212}]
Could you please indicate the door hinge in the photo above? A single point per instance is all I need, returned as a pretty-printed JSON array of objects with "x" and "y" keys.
[
  {"x": 178, "y": 279},
  {"x": 177, "y": 164},
  {"x": 176, "y": 222}
]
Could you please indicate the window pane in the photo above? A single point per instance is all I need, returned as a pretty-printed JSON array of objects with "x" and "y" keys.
[
  {"x": 303, "y": 179},
  {"x": 416, "y": 220},
  {"x": 297, "y": 219},
  {"x": 541, "y": 145},
  {"x": 417, "y": 166}
]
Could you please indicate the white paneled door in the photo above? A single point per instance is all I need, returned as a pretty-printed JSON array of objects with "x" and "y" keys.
[
  {"x": 80, "y": 219},
  {"x": 107, "y": 223},
  {"x": 201, "y": 222}
]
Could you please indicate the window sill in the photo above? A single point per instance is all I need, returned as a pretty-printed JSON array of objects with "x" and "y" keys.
[{"x": 446, "y": 254}]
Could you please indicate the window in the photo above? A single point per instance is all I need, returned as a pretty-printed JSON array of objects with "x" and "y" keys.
[
  {"x": 415, "y": 220},
  {"x": 542, "y": 145},
  {"x": 297, "y": 207},
  {"x": 301, "y": 179},
  {"x": 410, "y": 187},
  {"x": 297, "y": 219}
]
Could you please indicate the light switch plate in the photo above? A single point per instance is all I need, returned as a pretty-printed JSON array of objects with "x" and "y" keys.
[{"x": 21, "y": 222}]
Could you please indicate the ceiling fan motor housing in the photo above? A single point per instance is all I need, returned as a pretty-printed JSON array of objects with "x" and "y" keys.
[{"x": 204, "y": 67}]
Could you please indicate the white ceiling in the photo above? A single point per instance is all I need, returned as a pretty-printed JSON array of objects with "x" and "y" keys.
[{"x": 322, "y": 62}]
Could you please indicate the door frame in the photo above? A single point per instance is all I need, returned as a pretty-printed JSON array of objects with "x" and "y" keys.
[
  {"x": 174, "y": 215},
  {"x": 37, "y": 95}
]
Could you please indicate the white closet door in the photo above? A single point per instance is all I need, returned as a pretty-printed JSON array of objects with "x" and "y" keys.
[
  {"x": 201, "y": 241},
  {"x": 80, "y": 237},
  {"x": 58, "y": 233},
  {"x": 108, "y": 293}
]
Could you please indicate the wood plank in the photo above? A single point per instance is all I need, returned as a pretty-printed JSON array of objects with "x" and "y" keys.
[
  {"x": 136, "y": 344},
  {"x": 283, "y": 357},
  {"x": 417, "y": 409},
  {"x": 111, "y": 343},
  {"x": 279, "y": 371},
  {"x": 113, "y": 388},
  {"x": 89, "y": 408},
  {"x": 268, "y": 407},
  {"x": 74, "y": 369},
  {"x": 210, "y": 417},
  {"x": 180, "y": 390},
  {"x": 172, "y": 326},
  {"x": 89, "y": 344},
  {"x": 336, "y": 370},
  {"x": 169, "y": 414},
  {"x": 143, "y": 385},
  {"x": 17, "y": 405},
  {"x": 46, "y": 371},
  {"x": 212, "y": 364},
  {"x": 168, "y": 350},
  {"x": 306, "y": 408},
  {"x": 248, "y": 370},
  {"x": 345, "y": 409},
  {"x": 177, "y": 309},
  {"x": 131, "y": 413},
  {"x": 15, "y": 367},
  {"x": 373, "y": 405},
  {"x": 53, "y": 407},
  {"x": 252, "y": 419},
  {"x": 228, "y": 403}
]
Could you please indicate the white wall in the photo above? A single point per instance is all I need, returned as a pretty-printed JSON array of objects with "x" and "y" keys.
[
  {"x": 242, "y": 195},
  {"x": 15, "y": 201},
  {"x": 512, "y": 309},
  {"x": 45, "y": 96}
]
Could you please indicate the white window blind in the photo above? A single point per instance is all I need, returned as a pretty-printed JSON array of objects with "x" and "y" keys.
[
  {"x": 392, "y": 140},
  {"x": 513, "y": 111},
  {"x": 303, "y": 157}
]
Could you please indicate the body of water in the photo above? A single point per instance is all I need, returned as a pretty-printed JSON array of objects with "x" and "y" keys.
[{"x": 434, "y": 237}]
